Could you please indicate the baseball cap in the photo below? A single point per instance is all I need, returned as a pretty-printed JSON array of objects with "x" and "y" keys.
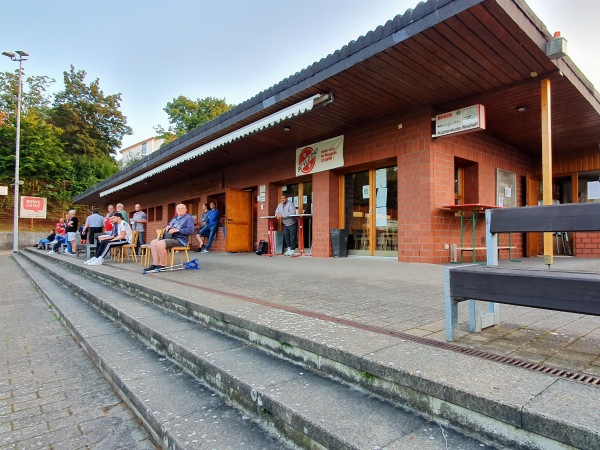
[{"x": 117, "y": 214}]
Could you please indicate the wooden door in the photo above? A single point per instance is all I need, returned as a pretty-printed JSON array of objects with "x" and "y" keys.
[
  {"x": 238, "y": 228},
  {"x": 532, "y": 240}
]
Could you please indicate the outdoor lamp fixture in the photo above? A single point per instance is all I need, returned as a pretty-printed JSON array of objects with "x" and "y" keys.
[{"x": 19, "y": 56}]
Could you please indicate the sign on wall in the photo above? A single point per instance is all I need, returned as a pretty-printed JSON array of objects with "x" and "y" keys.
[
  {"x": 319, "y": 157},
  {"x": 33, "y": 208},
  {"x": 506, "y": 188},
  {"x": 3, "y": 190},
  {"x": 465, "y": 120}
]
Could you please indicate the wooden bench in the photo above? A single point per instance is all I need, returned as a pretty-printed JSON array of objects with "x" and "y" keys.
[
  {"x": 556, "y": 290},
  {"x": 456, "y": 251}
]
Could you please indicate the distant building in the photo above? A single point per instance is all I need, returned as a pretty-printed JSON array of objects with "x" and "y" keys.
[{"x": 141, "y": 149}]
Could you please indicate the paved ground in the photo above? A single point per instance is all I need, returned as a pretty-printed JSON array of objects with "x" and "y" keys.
[
  {"x": 47, "y": 391},
  {"x": 403, "y": 297},
  {"x": 51, "y": 395}
]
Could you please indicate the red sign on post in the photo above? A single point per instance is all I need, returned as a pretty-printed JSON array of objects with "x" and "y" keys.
[{"x": 33, "y": 208}]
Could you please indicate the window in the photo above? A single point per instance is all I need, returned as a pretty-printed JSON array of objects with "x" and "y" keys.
[
  {"x": 459, "y": 186},
  {"x": 466, "y": 181},
  {"x": 144, "y": 149}
]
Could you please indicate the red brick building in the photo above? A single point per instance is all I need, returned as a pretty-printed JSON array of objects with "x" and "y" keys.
[{"x": 385, "y": 96}]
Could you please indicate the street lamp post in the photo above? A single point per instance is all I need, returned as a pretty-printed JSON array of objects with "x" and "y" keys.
[{"x": 20, "y": 56}]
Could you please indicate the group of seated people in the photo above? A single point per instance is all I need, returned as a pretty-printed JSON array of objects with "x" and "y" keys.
[
  {"x": 118, "y": 232},
  {"x": 67, "y": 230}
]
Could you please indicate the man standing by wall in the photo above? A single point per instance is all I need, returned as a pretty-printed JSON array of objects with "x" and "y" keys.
[
  {"x": 290, "y": 224},
  {"x": 138, "y": 223}
]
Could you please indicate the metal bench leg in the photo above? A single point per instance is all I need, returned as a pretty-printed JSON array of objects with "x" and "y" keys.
[
  {"x": 479, "y": 321},
  {"x": 451, "y": 310}
]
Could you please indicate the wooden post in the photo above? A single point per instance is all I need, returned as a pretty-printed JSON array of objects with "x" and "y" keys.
[{"x": 547, "y": 164}]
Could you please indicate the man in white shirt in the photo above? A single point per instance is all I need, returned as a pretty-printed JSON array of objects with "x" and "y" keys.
[{"x": 106, "y": 242}]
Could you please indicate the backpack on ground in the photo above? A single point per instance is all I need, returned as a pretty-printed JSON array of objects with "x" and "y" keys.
[{"x": 262, "y": 247}]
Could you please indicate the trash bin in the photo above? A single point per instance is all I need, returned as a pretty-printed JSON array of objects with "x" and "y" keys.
[{"x": 339, "y": 242}]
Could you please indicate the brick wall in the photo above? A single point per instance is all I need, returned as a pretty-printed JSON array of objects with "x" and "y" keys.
[{"x": 425, "y": 183}]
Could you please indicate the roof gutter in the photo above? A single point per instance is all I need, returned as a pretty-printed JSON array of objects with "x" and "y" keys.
[{"x": 262, "y": 124}]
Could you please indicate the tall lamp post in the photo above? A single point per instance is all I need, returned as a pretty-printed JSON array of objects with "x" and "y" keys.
[{"x": 20, "y": 56}]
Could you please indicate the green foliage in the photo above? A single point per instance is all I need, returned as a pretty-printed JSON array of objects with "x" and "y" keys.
[
  {"x": 41, "y": 154},
  {"x": 92, "y": 123},
  {"x": 66, "y": 145},
  {"x": 34, "y": 96},
  {"x": 186, "y": 114},
  {"x": 88, "y": 171}
]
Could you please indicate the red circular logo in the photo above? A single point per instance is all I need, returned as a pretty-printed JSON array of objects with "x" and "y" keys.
[{"x": 307, "y": 160}]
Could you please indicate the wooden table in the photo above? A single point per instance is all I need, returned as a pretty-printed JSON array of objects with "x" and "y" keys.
[{"x": 475, "y": 209}]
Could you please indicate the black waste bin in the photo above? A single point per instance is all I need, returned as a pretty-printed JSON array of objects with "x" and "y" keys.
[{"x": 339, "y": 242}]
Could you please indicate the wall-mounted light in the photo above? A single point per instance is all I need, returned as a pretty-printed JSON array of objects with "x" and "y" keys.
[
  {"x": 522, "y": 108},
  {"x": 286, "y": 128}
]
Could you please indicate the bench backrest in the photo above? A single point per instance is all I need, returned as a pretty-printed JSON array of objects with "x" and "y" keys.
[
  {"x": 552, "y": 218},
  {"x": 546, "y": 218}
]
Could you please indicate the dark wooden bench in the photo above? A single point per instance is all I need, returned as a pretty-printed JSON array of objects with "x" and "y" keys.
[{"x": 569, "y": 291}]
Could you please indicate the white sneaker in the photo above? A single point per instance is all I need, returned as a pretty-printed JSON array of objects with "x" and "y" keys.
[
  {"x": 97, "y": 262},
  {"x": 90, "y": 260},
  {"x": 291, "y": 252},
  {"x": 51, "y": 252}
]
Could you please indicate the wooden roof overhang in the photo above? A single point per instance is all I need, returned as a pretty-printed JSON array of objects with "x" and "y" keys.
[{"x": 444, "y": 54}]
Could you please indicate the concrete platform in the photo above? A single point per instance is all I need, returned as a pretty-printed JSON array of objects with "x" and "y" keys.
[{"x": 354, "y": 317}]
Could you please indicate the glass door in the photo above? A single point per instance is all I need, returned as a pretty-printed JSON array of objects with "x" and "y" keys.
[{"x": 371, "y": 212}]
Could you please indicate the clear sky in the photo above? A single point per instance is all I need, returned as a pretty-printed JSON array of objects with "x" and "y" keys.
[{"x": 151, "y": 51}]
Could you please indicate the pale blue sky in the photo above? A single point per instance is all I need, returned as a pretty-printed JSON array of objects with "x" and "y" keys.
[{"x": 154, "y": 50}]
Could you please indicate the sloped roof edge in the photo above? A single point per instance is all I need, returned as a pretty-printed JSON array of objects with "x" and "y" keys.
[{"x": 424, "y": 15}]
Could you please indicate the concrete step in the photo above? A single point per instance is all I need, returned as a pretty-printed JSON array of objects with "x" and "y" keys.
[
  {"x": 311, "y": 410},
  {"x": 180, "y": 411},
  {"x": 495, "y": 402}
]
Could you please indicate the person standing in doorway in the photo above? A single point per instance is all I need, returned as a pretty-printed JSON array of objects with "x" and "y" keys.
[
  {"x": 290, "y": 224},
  {"x": 138, "y": 223}
]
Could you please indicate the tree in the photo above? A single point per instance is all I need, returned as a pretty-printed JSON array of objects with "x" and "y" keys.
[
  {"x": 186, "y": 114},
  {"x": 34, "y": 94},
  {"x": 91, "y": 121}
]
